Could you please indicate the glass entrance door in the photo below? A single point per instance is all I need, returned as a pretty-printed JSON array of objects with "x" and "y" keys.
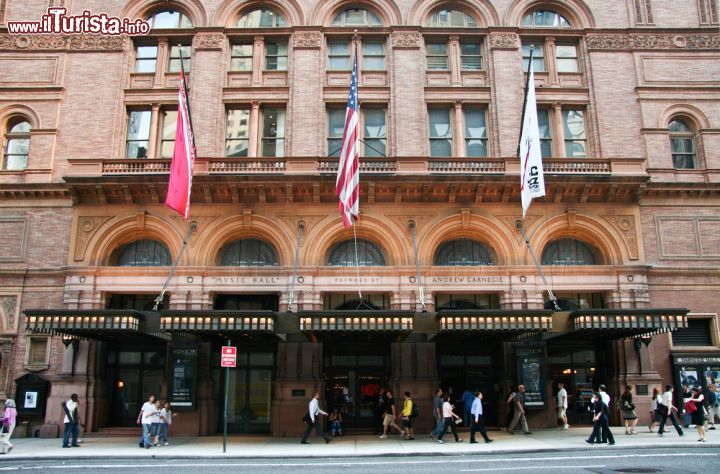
[
  {"x": 353, "y": 392},
  {"x": 135, "y": 374}
]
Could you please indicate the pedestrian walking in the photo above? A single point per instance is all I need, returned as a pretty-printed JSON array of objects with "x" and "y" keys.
[
  {"x": 72, "y": 421},
  {"x": 510, "y": 404},
  {"x": 379, "y": 410},
  {"x": 9, "y": 419},
  {"x": 478, "y": 423},
  {"x": 155, "y": 422},
  {"x": 449, "y": 417},
  {"x": 655, "y": 416},
  {"x": 467, "y": 400},
  {"x": 437, "y": 413},
  {"x": 144, "y": 419},
  {"x": 697, "y": 412},
  {"x": 562, "y": 404},
  {"x": 601, "y": 430},
  {"x": 390, "y": 415},
  {"x": 686, "y": 395},
  {"x": 519, "y": 406},
  {"x": 713, "y": 402},
  {"x": 407, "y": 417},
  {"x": 627, "y": 411},
  {"x": 166, "y": 417},
  {"x": 668, "y": 410},
  {"x": 312, "y": 418}
]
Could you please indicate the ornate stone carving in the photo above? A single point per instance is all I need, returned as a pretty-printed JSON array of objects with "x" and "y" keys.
[
  {"x": 607, "y": 41},
  {"x": 9, "y": 304},
  {"x": 703, "y": 41},
  {"x": 625, "y": 225},
  {"x": 649, "y": 41},
  {"x": 652, "y": 41},
  {"x": 209, "y": 41},
  {"x": 310, "y": 221},
  {"x": 307, "y": 39},
  {"x": 406, "y": 39},
  {"x": 86, "y": 229},
  {"x": 504, "y": 41},
  {"x": 510, "y": 220},
  {"x": 402, "y": 221},
  {"x": 57, "y": 42}
]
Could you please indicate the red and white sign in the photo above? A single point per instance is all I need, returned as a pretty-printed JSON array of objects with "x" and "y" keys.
[{"x": 227, "y": 356}]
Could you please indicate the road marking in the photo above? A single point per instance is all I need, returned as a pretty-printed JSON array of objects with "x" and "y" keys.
[
  {"x": 593, "y": 466},
  {"x": 337, "y": 462}
]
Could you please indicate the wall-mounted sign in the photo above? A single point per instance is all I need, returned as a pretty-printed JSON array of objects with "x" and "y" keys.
[
  {"x": 183, "y": 376},
  {"x": 530, "y": 370}
]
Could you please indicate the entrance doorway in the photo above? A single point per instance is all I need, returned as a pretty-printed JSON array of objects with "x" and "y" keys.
[
  {"x": 135, "y": 375},
  {"x": 457, "y": 376},
  {"x": 581, "y": 371}
]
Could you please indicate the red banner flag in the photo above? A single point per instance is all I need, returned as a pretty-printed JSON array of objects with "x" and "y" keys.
[{"x": 183, "y": 160}]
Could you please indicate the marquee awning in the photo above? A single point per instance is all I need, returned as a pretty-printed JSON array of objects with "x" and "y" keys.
[
  {"x": 494, "y": 321},
  {"x": 621, "y": 323},
  {"x": 356, "y": 321},
  {"x": 213, "y": 321}
]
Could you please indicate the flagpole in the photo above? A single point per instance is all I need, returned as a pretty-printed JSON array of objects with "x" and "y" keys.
[
  {"x": 187, "y": 96},
  {"x": 520, "y": 222},
  {"x": 158, "y": 300},
  {"x": 357, "y": 261}
]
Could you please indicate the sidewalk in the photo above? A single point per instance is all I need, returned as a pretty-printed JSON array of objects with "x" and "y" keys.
[{"x": 249, "y": 446}]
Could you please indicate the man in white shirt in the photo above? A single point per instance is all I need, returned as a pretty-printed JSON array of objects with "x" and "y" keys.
[
  {"x": 478, "y": 424},
  {"x": 313, "y": 413},
  {"x": 562, "y": 405},
  {"x": 667, "y": 397},
  {"x": 72, "y": 421},
  {"x": 145, "y": 418}
]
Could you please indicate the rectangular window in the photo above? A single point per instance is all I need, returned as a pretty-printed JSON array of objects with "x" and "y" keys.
[
  {"x": 174, "y": 64},
  {"x": 543, "y": 116},
  {"x": 567, "y": 58},
  {"x": 475, "y": 132},
  {"x": 146, "y": 58},
  {"x": 37, "y": 351},
  {"x": 276, "y": 56},
  {"x": 575, "y": 137},
  {"x": 437, "y": 56},
  {"x": 538, "y": 57},
  {"x": 683, "y": 152},
  {"x": 440, "y": 132},
  {"x": 169, "y": 126},
  {"x": 237, "y": 133},
  {"x": 241, "y": 57},
  {"x": 470, "y": 56},
  {"x": 373, "y": 55},
  {"x": 138, "y": 133},
  {"x": 273, "y": 137},
  {"x": 374, "y": 133},
  {"x": 336, "y": 126},
  {"x": 697, "y": 333},
  {"x": 339, "y": 56}
]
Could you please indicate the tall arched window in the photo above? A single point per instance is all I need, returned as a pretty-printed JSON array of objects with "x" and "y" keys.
[
  {"x": 368, "y": 254},
  {"x": 569, "y": 252},
  {"x": 682, "y": 144},
  {"x": 17, "y": 144},
  {"x": 261, "y": 18},
  {"x": 451, "y": 19},
  {"x": 143, "y": 253},
  {"x": 169, "y": 19},
  {"x": 463, "y": 252},
  {"x": 248, "y": 253},
  {"x": 545, "y": 19},
  {"x": 356, "y": 17}
]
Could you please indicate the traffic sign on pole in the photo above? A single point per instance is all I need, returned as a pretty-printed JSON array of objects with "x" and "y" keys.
[{"x": 228, "y": 356}]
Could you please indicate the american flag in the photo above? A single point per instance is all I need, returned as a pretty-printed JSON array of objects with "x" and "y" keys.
[
  {"x": 183, "y": 160},
  {"x": 347, "y": 185}
]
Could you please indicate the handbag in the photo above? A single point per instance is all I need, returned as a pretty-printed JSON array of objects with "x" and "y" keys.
[
  {"x": 690, "y": 407},
  {"x": 306, "y": 418},
  {"x": 662, "y": 409}
]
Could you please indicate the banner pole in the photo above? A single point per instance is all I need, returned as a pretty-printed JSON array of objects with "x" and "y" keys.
[
  {"x": 551, "y": 295},
  {"x": 225, "y": 417}
]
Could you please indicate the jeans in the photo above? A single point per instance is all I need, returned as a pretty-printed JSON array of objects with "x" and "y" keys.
[
  {"x": 163, "y": 432},
  {"x": 71, "y": 429},
  {"x": 147, "y": 427},
  {"x": 439, "y": 423},
  {"x": 335, "y": 427}
]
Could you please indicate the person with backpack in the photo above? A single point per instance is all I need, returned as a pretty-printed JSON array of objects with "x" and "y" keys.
[
  {"x": 409, "y": 412},
  {"x": 72, "y": 422},
  {"x": 478, "y": 424}
]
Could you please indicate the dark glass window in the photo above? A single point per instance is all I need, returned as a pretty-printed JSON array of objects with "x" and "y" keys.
[
  {"x": 144, "y": 253},
  {"x": 248, "y": 253},
  {"x": 368, "y": 254},
  {"x": 463, "y": 252},
  {"x": 247, "y": 302},
  {"x": 682, "y": 144},
  {"x": 569, "y": 252},
  {"x": 697, "y": 333}
]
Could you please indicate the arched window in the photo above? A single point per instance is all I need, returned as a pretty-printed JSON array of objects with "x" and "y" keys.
[
  {"x": 261, "y": 18},
  {"x": 368, "y": 254},
  {"x": 682, "y": 144},
  {"x": 17, "y": 144},
  {"x": 144, "y": 253},
  {"x": 463, "y": 252},
  {"x": 569, "y": 252},
  {"x": 545, "y": 19},
  {"x": 451, "y": 19},
  {"x": 169, "y": 19},
  {"x": 248, "y": 253},
  {"x": 356, "y": 17}
]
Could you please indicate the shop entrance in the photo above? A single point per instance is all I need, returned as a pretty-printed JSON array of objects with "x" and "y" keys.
[
  {"x": 469, "y": 372},
  {"x": 581, "y": 370},
  {"x": 135, "y": 375}
]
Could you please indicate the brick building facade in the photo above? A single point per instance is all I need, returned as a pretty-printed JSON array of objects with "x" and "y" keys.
[{"x": 627, "y": 93}]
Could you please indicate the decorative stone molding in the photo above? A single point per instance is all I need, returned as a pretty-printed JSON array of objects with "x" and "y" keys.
[
  {"x": 65, "y": 43},
  {"x": 510, "y": 220},
  {"x": 406, "y": 40},
  {"x": 307, "y": 39},
  {"x": 649, "y": 41},
  {"x": 625, "y": 225},
  {"x": 87, "y": 226},
  {"x": 402, "y": 221},
  {"x": 6, "y": 349},
  {"x": 504, "y": 41},
  {"x": 9, "y": 306},
  {"x": 309, "y": 220},
  {"x": 209, "y": 41}
]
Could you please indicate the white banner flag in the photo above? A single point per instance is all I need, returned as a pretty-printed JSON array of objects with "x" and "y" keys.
[{"x": 532, "y": 183}]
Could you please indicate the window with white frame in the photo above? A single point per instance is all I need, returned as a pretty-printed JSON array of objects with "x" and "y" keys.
[
  {"x": 373, "y": 131},
  {"x": 273, "y": 132},
  {"x": 463, "y": 54},
  {"x": 371, "y": 54},
  {"x": 17, "y": 144},
  {"x": 261, "y": 18},
  {"x": 356, "y": 17},
  {"x": 237, "y": 132},
  {"x": 563, "y": 131},
  {"x": 138, "y": 142},
  {"x": 451, "y": 19},
  {"x": 545, "y": 19},
  {"x": 682, "y": 144},
  {"x": 471, "y": 119}
]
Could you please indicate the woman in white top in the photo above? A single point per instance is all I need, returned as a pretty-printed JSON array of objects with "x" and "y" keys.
[
  {"x": 655, "y": 417},
  {"x": 449, "y": 416}
]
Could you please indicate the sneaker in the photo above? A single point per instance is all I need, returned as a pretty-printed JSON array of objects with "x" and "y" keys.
[
  {"x": 383, "y": 436},
  {"x": 527, "y": 432},
  {"x": 712, "y": 427},
  {"x": 459, "y": 440},
  {"x": 474, "y": 442},
  {"x": 402, "y": 433},
  {"x": 166, "y": 443},
  {"x": 660, "y": 434},
  {"x": 10, "y": 448},
  {"x": 147, "y": 447},
  {"x": 489, "y": 440},
  {"x": 566, "y": 427},
  {"x": 432, "y": 435},
  {"x": 441, "y": 441}
]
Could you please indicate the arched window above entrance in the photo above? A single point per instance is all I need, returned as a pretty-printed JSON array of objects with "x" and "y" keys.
[
  {"x": 262, "y": 18},
  {"x": 248, "y": 253},
  {"x": 368, "y": 254},
  {"x": 569, "y": 252},
  {"x": 143, "y": 253},
  {"x": 463, "y": 252}
]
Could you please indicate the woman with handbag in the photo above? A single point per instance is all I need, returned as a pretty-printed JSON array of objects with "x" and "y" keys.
[
  {"x": 8, "y": 425},
  {"x": 694, "y": 406},
  {"x": 655, "y": 415},
  {"x": 627, "y": 410}
]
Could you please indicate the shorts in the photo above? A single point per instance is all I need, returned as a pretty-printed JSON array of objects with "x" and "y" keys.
[
  {"x": 154, "y": 429},
  {"x": 407, "y": 422},
  {"x": 388, "y": 420},
  {"x": 561, "y": 412}
]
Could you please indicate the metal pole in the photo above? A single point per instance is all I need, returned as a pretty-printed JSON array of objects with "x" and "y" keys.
[
  {"x": 519, "y": 225},
  {"x": 421, "y": 290},
  {"x": 291, "y": 295},
  {"x": 227, "y": 390},
  {"x": 158, "y": 300}
]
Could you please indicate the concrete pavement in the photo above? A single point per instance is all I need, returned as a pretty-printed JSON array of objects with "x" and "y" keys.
[{"x": 254, "y": 446}]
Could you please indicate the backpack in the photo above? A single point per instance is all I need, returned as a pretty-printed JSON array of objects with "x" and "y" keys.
[{"x": 414, "y": 410}]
